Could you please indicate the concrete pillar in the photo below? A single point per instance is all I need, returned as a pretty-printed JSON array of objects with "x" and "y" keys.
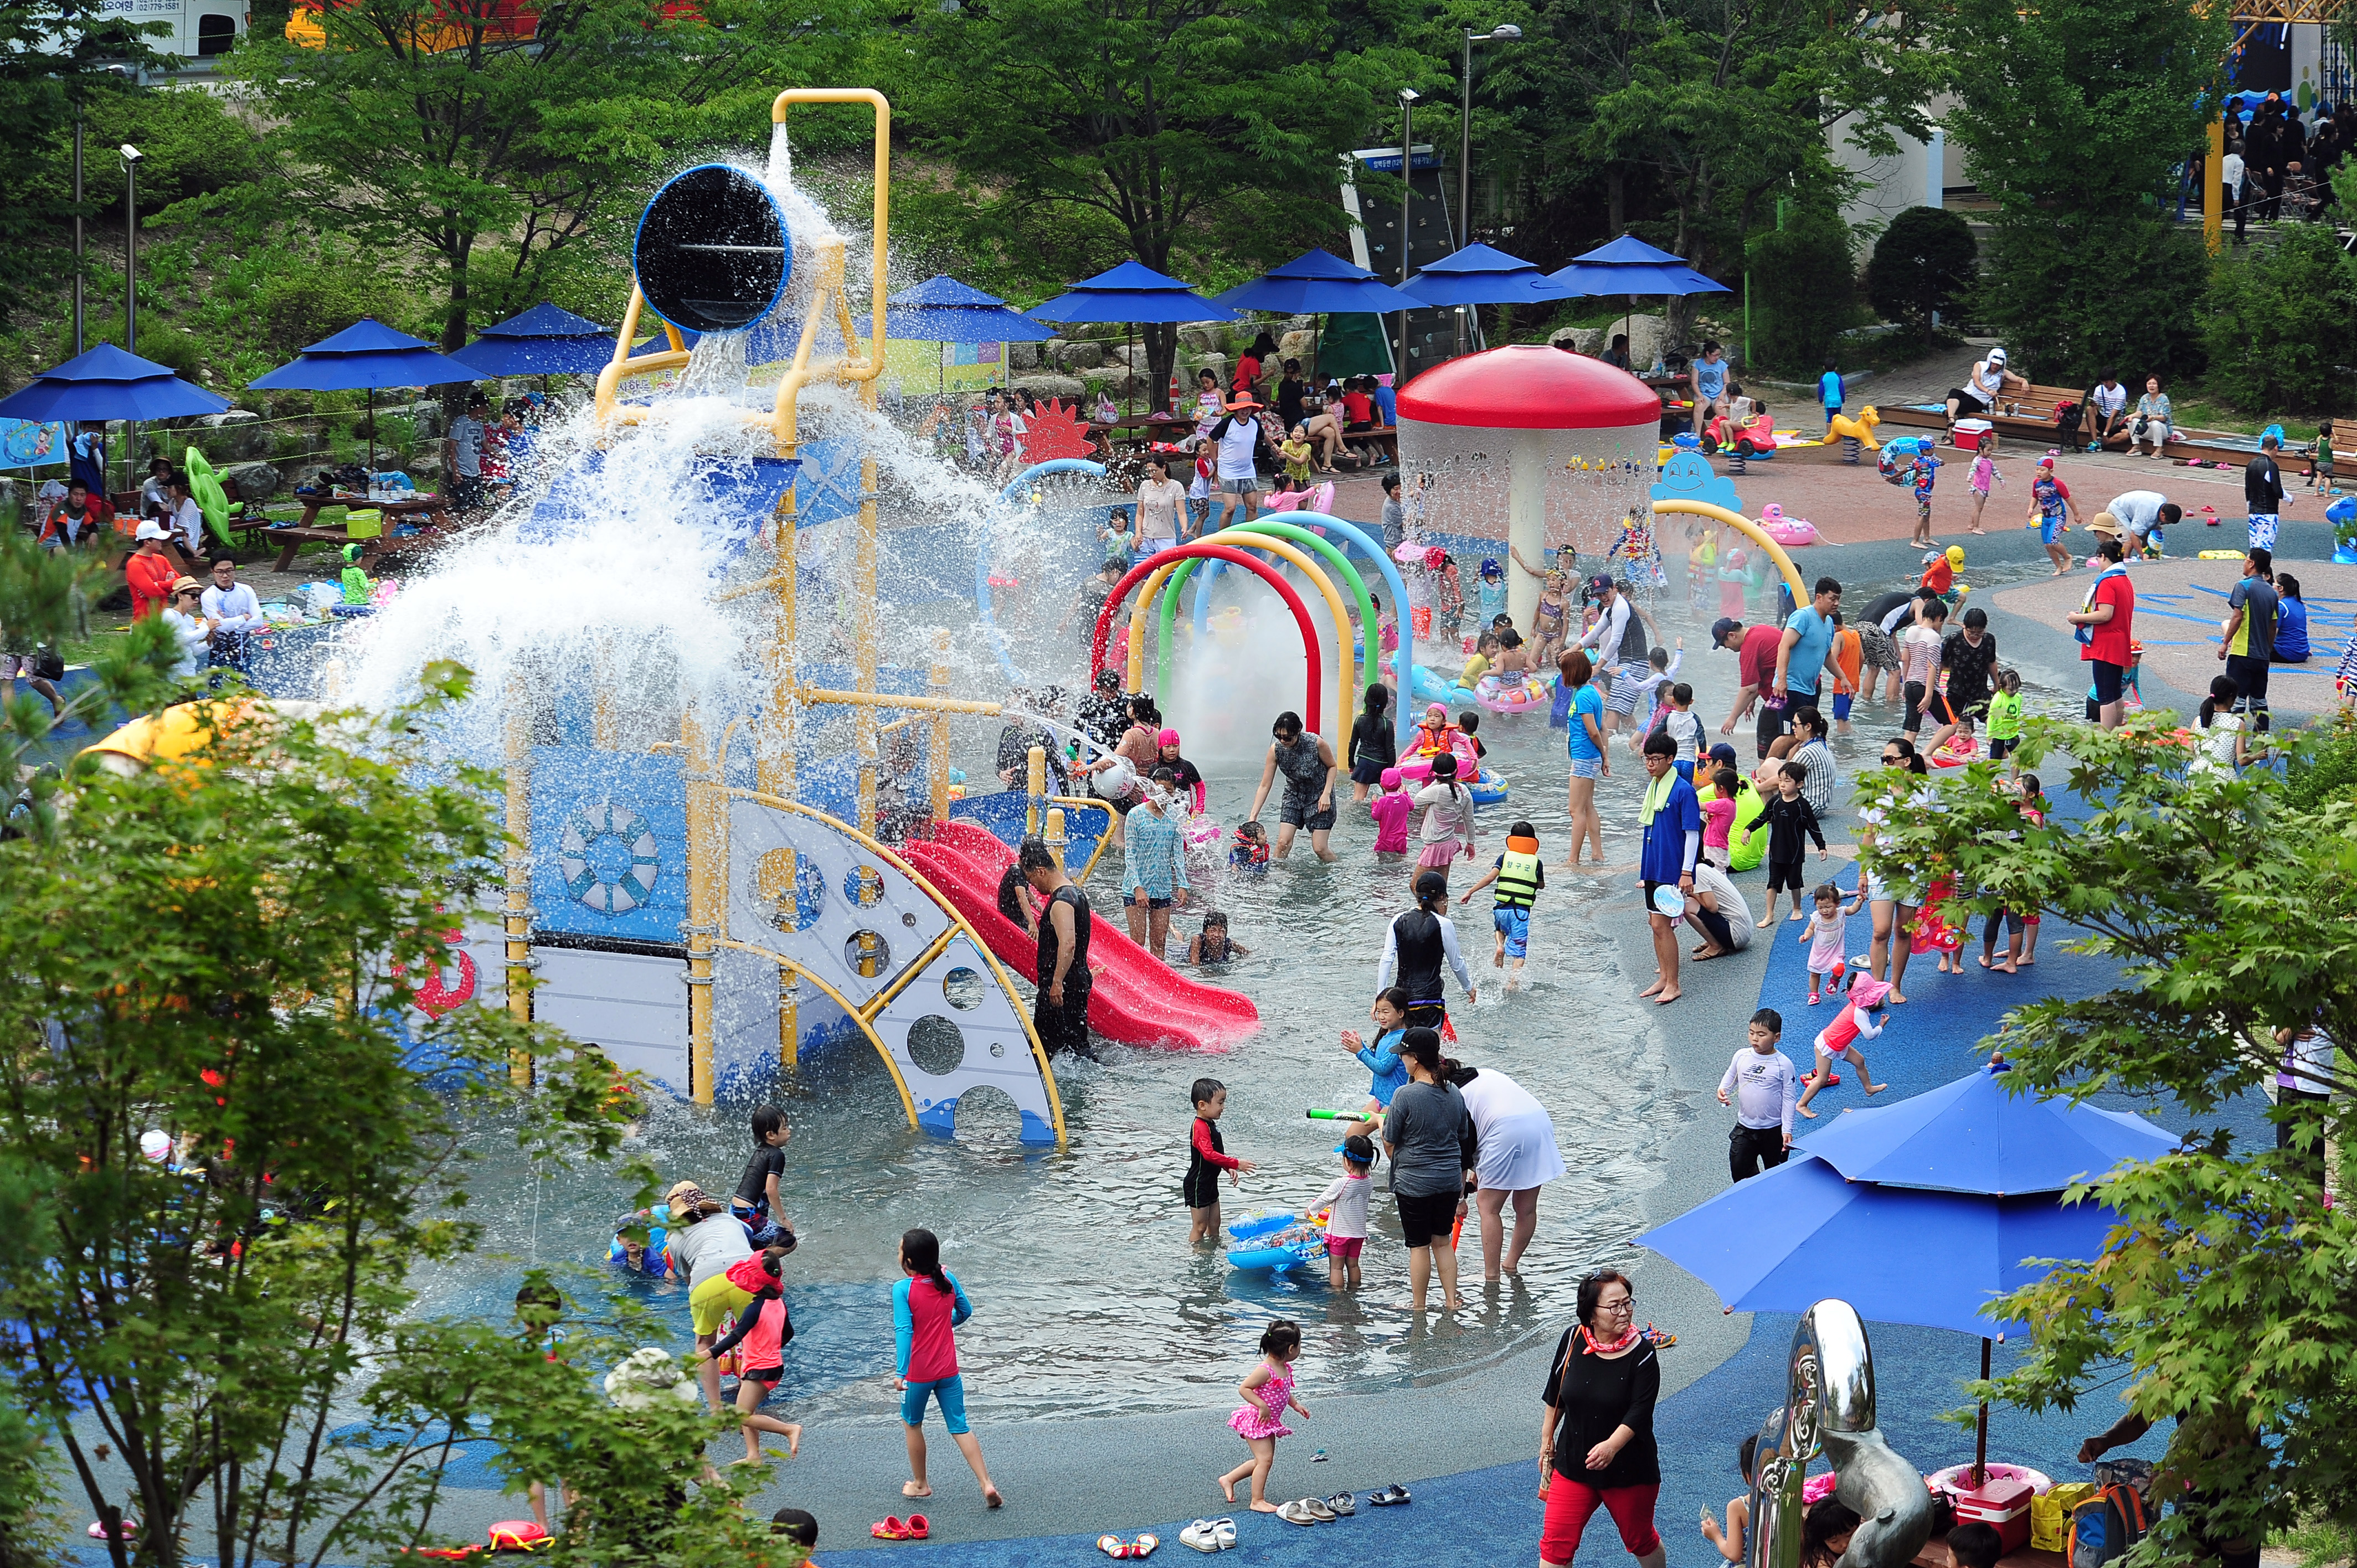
[{"x": 1530, "y": 459}]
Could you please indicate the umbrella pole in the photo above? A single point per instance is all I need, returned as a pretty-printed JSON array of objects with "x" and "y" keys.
[
  {"x": 1129, "y": 367},
  {"x": 1980, "y": 1439}
]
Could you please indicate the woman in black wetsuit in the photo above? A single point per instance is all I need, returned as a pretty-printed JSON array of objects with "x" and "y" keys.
[
  {"x": 1595, "y": 1444},
  {"x": 1374, "y": 744},
  {"x": 1060, "y": 1012},
  {"x": 1416, "y": 947}
]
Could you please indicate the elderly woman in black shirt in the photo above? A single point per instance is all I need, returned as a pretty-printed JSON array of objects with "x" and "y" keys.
[{"x": 1595, "y": 1447}]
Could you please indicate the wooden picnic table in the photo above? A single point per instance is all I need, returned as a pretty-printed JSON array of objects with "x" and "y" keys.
[
  {"x": 432, "y": 511},
  {"x": 1148, "y": 428}
]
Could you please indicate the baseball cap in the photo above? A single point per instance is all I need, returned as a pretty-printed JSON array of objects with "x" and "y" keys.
[
  {"x": 150, "y": 529},
  {"x": 1428, "y": 883},
  {"x": 1722, "y": 752},
  {"x": 1996, "y": 356},
  {"x": 1720, "y": 627},
  {"x": 1955, "y": 555}
]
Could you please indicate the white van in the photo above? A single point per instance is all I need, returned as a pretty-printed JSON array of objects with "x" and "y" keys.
[{"x": 199, "y": 28}]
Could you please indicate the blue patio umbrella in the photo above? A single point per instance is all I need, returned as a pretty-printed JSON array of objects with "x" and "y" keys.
[
  {"x": 942, "y": 310},
  {"x": 543, "y": 341},
  {"x": 366, "y": 356},
  {"x": 1973, "y": 1136},
  {"x": 1317, "y": 282},
  {"x": 107, "y": 383},
  {"x": 1628, "y": 265},
  {"x": 1130, "y": 294},
  {"x": 1483, "y": 274}
]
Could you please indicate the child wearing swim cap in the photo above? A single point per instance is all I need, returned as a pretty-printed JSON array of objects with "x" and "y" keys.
[{"x": 1391, "y": 809}]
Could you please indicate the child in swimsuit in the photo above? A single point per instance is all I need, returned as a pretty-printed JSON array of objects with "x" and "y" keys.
[
  {"x": 1547, "y": 623},
  {"x": 1269, "y": 1394},
  {"x": 1861, "y": 1020},
  {"x": 1213, "y": 945},
  {"x": 1207, "y": 1157}
]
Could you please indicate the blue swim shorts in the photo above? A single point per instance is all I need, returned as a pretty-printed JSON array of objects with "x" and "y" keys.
[
  {"x": 950, "y": 1391},
  {"x": 1514, "y": 925},
  {"x": 1841, "y": 707}
]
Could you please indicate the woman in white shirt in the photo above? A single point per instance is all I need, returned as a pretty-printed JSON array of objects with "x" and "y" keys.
[
  {"x": 1160, "y": 500},
  {"x": 187, "y": 619}
]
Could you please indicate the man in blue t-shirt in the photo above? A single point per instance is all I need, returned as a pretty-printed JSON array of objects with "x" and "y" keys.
[
  {"x": 1672, "y": 823},
  {"x": 1807, "y": 644}
]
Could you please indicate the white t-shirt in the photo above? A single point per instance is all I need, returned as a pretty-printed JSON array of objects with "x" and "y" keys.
[
  {"x": 1685, "y": 727},
  {"x": 2230, "y": 172},
  {"x": 1733, "y": 907},
  {"x": 1236, "y": 448},
  {"x": 237, "y": 611},
  {"x": 1989, "y": 380},
  {"x": 2217, "y": 754},
  {"x": 1764, "y": 1089},
  {"x": 2138, "y": 511},
  {"x": 713, "y": 1245},
  {"x": 1158, "y": 509},
  {"x": 190, "y": 521},
  {"x": 2308, "y": 1064},
  {"x": 2108, "y": 401},
  {"x": 1606, "y": 634}
]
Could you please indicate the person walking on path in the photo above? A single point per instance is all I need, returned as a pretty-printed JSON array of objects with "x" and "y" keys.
[
  {"x": 1059, "y": 1012},
  {"x": 1672, "y": 829},
  {"x": 928, "y": 1303},
  {"x": 1763, "y": 1085},
  {"x": 2263, "y": 492},
  {"x": 1435, "y": 1153},
  {"x": 2106, "y": 627},
  {"x": 1516, "y": 1140},
  {"x": 1595, "y": 1441},
  {"x": 2248, "y": 643},
  {"x": 1310, "y": 770}
]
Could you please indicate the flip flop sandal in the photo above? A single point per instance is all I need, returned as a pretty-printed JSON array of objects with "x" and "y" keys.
[
  {"x": 920, "y": 1529},
  {"x": 1342, "y": 1503},
  {"x": 1660, "y": 1338},
  {"x": 1144, "y": 1545},
  {"x": 1200, "y": 1535},
  {"x": 1110, "y": 1545},
  {"x": 891, "y": 1528},
  {"x": 1295, "y": 1513},
  {"x": 1319, "y": 1510},
  {"x": 1391, "y": 1497}
]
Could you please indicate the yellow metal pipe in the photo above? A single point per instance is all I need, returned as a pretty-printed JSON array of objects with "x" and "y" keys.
[
  {"x": 1749, "y": 530},
  {"x": 820, "y": 694},
  {"x": 708, "y": 876},
  {"x": 1346, "y": 646},
  {"x": 516, "y": 921},
  {"x": 879, "y": 250},
  {"x": 1037, "y": 778},
  {"x": 938, "y": 763}
]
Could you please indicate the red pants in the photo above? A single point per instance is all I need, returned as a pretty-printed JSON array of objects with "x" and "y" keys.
[{"x": 1571, "y": 1504}]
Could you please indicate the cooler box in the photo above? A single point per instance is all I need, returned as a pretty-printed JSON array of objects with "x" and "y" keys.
[
  {"x": 2004, "y": 1506},
  {"x": 1969, "y": 432}
]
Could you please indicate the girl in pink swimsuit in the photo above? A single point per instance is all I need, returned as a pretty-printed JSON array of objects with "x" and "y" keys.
[{"x": 1268, "y": 1393}]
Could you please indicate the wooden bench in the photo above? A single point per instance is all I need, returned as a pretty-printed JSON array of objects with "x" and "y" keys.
[{"x": 2028, "y": 417}]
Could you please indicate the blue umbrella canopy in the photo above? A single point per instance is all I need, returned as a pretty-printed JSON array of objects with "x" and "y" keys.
[
  {"x": 942, "y": 310},
  {"x": 1786, "y": 1239},
  {"x": 1483, "y": 274},
  {"x": 369, "y": 355},
  {"x": 108, "y": 383},
  {"x": 1973, "y": 1136},
  {"x": 1131, "y": 292},
  {"x": 1318, "y": 283},
  {"x": 543, "y": 341},
  {"x": 1628, "y": 265}
]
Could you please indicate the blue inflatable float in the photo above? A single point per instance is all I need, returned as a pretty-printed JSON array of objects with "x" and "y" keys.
[{"x": 1275, "y": 1242}]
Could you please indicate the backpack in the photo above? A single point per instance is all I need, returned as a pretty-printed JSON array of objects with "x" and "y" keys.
[
  {"x": 2066, "y": 413},
  {"x": 2104, "y": 1526}
]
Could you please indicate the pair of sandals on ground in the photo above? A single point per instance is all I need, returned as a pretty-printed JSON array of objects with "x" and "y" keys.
[{"x": 1219, "y": 1534}]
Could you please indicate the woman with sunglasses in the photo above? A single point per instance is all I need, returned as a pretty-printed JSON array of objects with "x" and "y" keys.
[{"x": 1595, "y": 1444}]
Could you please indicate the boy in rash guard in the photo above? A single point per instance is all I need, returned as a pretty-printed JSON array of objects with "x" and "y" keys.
[
  {"x": 1766, "y": 1087},
  {"x": 1207, "y": 1157}
]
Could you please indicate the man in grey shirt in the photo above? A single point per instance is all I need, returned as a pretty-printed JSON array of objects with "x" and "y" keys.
[{"x": 462, "y": 453}]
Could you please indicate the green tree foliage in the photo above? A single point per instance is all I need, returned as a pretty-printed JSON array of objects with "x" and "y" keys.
[
  {"x": 2223, "y": 1299},
  {"x": 1199, "y": 122},
  {"x": 1804, "y": 290},
  {"x": 1923, "y": 264},
  {"x": 2073, "y": 116},
  {"x": 2280, "y": 321},
  {"x": 418, "y": 128}
]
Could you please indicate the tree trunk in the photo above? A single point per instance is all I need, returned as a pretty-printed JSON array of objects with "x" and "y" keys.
[
  {"x": 1616, "y": 198},
  {"x": 454, "y": 326},
  {"x": 1161, "y": 354}
]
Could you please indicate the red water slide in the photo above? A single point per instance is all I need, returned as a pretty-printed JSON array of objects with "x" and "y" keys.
[{"x": 1137, "y": 999}]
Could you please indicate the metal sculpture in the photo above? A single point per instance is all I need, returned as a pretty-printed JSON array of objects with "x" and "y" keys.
[{"x": 1829, "y": 1409}]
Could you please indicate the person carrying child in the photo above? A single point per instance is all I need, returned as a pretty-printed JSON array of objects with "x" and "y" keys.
[
  {"x": 1345, "y": 1202},
  {"x": 1827, "y": 935},
  {"x": 1207, "y": 1157},
  {"x": 1863, "y": 1019},
  {"x": 1391, "y": 809},
  {"x": 1268, "y": 1393},
  {"x": 1520, "y": 878}
]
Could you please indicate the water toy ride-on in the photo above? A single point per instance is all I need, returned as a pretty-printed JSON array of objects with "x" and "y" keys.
[
  {"x": 1275, "y": 1242},
  {"x": 1786, "y": 530}
]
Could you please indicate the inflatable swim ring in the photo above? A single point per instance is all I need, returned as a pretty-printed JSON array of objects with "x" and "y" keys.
[
  {"x": 1951, "y": 755},
  {"x": 1275, "y": 1242},
  {"x": 1317, "y": 498},
  {"x": 1788, "y": 530},
  {"x": 518, "y": 1535},
  {"x": 1511, "y": 694},
  {"x": 1488, "y": 787}
]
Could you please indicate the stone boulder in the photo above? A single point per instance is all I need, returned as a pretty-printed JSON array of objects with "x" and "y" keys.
[
  {"x": 1082, "y": 356},
  {"x": 1044, "y": 385},
  {"x": 1204, "y": 338},
  {"x": 1023, "y": 356},
  {"x": 1296, "y": 344},
  {"x": 257, "y": 482},
  {"x": 244, "y": 432}
]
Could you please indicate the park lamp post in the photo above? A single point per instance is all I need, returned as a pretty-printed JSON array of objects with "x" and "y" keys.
[
  {"x": 131, "y": 156},
  {"x": 1407, "y": 97},
  {"x": 1504, "y": 32}
]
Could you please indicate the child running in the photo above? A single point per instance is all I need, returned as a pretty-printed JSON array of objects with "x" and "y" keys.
[
  {"x": 1520, "y": 878},
  {"x": 1269, "y": 1394},
  {"x": 928, "y": 1303},
  {"x": 1391, "y": 810},
  {"x": 2051, "y": 512},
  {"x": 1345, "y": 1202},
  {"x": 763, "y": 1330},
  {"x": 1207, "y": 1157},
  {"x": 1863, "y": 1019},
  {"x": 1828, "y": 939},
  {"x": 1925, "y": 471}
]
